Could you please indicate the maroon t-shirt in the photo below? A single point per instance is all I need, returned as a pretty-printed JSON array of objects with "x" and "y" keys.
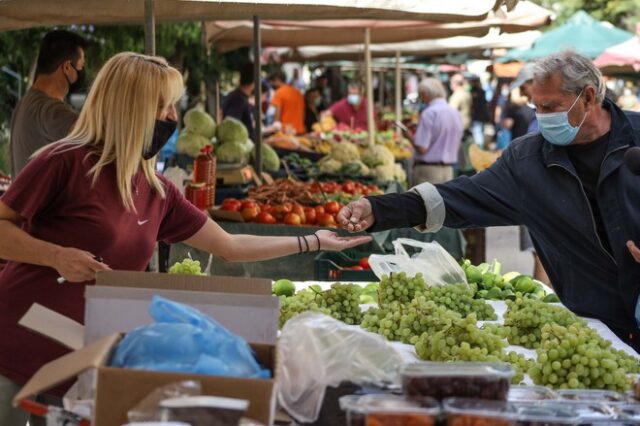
[{"x": 58, "y": 204}]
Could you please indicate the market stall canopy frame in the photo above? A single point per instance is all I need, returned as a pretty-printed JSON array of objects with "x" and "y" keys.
[{"x": 19, "y": 14}]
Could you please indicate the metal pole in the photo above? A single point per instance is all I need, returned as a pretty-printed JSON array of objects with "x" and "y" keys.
[
  {"x": 257, "y": 46},
  {"x": 398, "y": 94},
  {"x": 149, "y": 27},
  {"x": 371, "y": 125},
  {"x": 381, "y": 89}
]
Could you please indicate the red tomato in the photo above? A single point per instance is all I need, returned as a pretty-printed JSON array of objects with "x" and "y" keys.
[
  {"x": 266, "y": 208},
  {"x": 319, "y": 210},
  {"x": 249, "y": 214},
  {"x": 327, "y": 220},
  {"x": 249, "y": 204},
  {"x": 349, "y": 187},
  {"x": 265, "y": 218},
  {"x": 292, "y": 219},
  {"x": 364, "y": 263},
  {"x": 332, "y": 207},
  {"x": 299, "y": 210},
  {"x": 310, "y": 215},
  {"x": 231, "y": 204}
]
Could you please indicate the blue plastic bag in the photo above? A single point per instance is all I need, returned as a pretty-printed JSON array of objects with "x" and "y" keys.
[{"x": 185, "y": 340}]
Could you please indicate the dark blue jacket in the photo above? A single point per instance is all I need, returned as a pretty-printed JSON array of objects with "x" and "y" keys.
[{"x": 535, "y": 184}]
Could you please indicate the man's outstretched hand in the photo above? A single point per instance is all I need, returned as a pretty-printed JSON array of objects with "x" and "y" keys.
[
  {"x": 634, "y": 250},
  {"x": 357, "y": 216}
]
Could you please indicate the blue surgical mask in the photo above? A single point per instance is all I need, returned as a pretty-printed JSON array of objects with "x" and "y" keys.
[
  {"x": 353, "y": 100},
  {"x": 555, "y": 126}
]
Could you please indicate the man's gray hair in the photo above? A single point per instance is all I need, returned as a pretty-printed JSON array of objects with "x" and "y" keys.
[
  {"x": 432, "y": 88},
  {"x": 577, "y": 72}
]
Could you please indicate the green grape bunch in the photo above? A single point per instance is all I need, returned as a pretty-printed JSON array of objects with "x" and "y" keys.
[
  {"x": 343, "y": 302},
  {"x": 460, "y": 298},
  {"x": 400, "y": 288},
  {"x": 577, "y": 357},
  {"x": 186, "y": 267}
]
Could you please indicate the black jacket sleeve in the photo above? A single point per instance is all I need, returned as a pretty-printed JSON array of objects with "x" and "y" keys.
[{"x": 397, "y": 211}]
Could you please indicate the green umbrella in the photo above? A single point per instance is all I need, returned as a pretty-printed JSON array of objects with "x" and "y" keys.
[{"x": 582, "y": 33}]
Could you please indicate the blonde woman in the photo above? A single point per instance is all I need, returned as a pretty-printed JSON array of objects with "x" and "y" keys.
[{"x": 95, "y": 195}]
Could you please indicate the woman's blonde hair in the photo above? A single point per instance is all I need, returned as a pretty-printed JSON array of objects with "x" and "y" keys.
[{"x": 117, "y": 120}]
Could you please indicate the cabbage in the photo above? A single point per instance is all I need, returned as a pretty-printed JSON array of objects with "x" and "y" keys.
[
  {"x": 231, "y": 152},
  {"x": 197, "y": 121},
  {"x": 399, "y": 174},
  {"x": 356, "y": 168},
  {"x": 345, "y": 152},
  {"x": 270, "y": 159},
  {"x": 232, "y": 130},
  {"x": 378, "y": 155},
  {"x": 190, "y": 143}
]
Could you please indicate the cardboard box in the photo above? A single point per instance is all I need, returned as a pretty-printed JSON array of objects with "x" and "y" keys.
[
  {"x": 118, "y": 390},
  {"x": 119, "y": 302}
]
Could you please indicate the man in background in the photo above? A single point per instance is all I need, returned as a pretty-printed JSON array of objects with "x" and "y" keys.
[
  {"x": 237, "y": 103},
  {"x": 41, "y": 116},
  {"x": 288, "y": 102},
  {"x": 351, "y": 110},
  {"x": 438, "y": 137},
  {"x": 461, "y": 99}
]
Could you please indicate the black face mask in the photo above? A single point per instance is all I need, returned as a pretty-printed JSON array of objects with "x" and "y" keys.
[
  {"x": 162, "y": 132},
  {"x": 76, "y": 85}
]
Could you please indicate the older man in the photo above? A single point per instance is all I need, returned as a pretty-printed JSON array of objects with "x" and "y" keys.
[
  {"x": 567, "y": 184},
  {"x": 438, "y": 136},
  {"x": 461, "y": 99}
]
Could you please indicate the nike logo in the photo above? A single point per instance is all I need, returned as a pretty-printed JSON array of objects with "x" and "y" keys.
[{"x": 142, "y": 222}]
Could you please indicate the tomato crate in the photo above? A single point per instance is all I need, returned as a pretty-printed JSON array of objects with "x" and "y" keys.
[{"x": 331, "y": 266}]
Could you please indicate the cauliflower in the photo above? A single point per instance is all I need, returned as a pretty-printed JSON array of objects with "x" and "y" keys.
[
  {"x": 377, "y": 155},
  {"x": 270, "y": 159},
  {"x": 330, "y": 166},
  {"x": 399, "y": 173},
  {"x": 232, "y": 130},
  {"x": 191, "y": 143},
  {"x": 345, "y": 152},
  {"x": 197, "y": 121},
  {"x": 231, "y": 152},
  {"x": 383, "y": 173}
]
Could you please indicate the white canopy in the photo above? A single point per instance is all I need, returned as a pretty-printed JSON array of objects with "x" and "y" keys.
[
  {"x": 493, "y": 40},
  {"x": 17, "y": 14},
  {"x": 230, "y": 35}
]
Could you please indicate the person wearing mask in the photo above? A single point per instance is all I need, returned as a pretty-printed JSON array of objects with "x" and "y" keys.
[
  {"x": 96, "y": 193},
  {"x": 351, "y": 110},
  {"x": 238, "y": 104},
  {"x": 42, "y": 116},
  {"x": 567, "y": 184},
  {"x": 461, "y": 99},
  {"x": 438, "y": 136},
  {"x": 479, "y": 111},
  {"x": 288, "y": 102},
  {"x": 313, "y": 100}
]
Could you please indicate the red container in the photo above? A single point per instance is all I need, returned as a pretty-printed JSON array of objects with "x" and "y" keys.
[
  {"x": 204, "y": 167},
  {"x": 199, "y": 195}
]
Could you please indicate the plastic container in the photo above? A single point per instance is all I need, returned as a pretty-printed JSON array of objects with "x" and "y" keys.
[
  {"x": 531, "y": 393},
  {"x": 390, "y": 410},
  {"x": 544, "y": 414},
  {"x": 199, "y": 195},
  {"x": 594, "y": 395},
  {"x": 628, "y": 411},
  {"x": 204, "y": 410},
  {"x": 590, "y": 412},
  {"x": 329, "y": 266},
  {"x": 441, "y": 380},
  {"x": 478, "y": 412}
]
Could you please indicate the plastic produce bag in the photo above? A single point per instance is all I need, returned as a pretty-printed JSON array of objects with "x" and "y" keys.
[
  {"x": 185, "y": 340},
  {"x": 435, "y": 264},
  {"x": 316, "y": 351}
]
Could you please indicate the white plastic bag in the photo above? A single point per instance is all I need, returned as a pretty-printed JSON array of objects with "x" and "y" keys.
[
  {"x": 316, "y": 351},
  {"x": 435, "y": 264}
]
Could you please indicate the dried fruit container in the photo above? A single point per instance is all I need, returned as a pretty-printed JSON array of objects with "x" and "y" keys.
[
  {"x": 441, "y": 380},
  {"x": 531, "y": 393},
  {"x": 544, "y": 414},
  {"x": 590, "y": 413},
  {"x": 389, "y": 410},
  {"x": 478, "y": 412},
  {"x": 594, "y": 395}
]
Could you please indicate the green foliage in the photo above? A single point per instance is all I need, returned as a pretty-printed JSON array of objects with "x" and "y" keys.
[{"x": 623, "y": 14}]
